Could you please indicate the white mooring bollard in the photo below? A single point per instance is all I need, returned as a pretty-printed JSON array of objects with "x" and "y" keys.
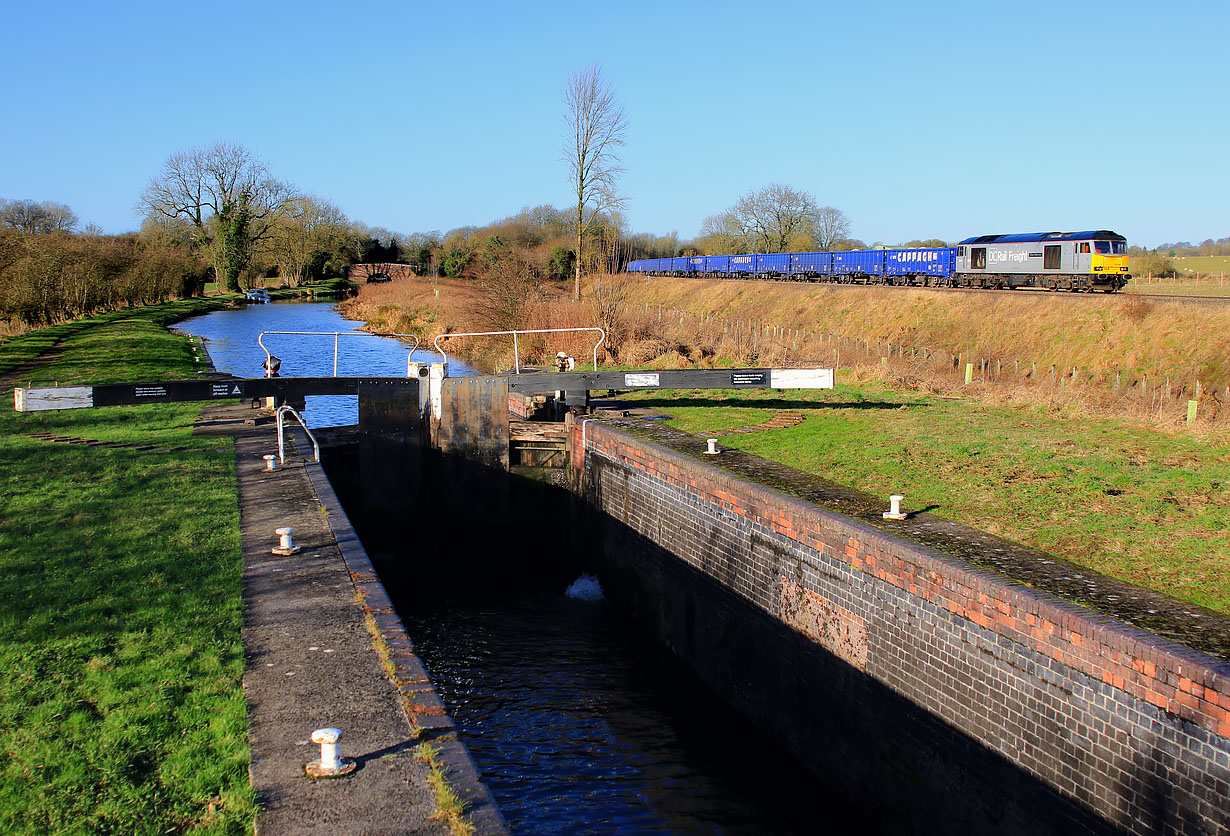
[
  {"x": 894, "y": 510},
  {"x": 271, "y": 463},
  {"x": 712, "y": 448},
  {"x": 285, "y": 546},
  {"x": 329, "y": 765}
]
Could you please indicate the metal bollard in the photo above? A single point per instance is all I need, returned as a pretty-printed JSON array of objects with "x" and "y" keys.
[
  {"x": 270, "y": 463},
  {"x": 894, "y": 510},
  {"x": 285, "y": 547},
  {"x": 329, "y": 765},
  {"x": 712, "y": 448}
]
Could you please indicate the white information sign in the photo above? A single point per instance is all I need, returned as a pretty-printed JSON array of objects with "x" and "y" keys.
[
  {"x": 641, "y": 380},
  {"x": 801, "y": 379}
]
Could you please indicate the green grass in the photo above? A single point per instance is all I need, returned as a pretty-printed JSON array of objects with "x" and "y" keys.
[
  {"x": 1147, "y": 506},
  {"x": 1213, "y": 265},
  {"x": 1197, "y": 275},
  {"x": 120, "y": 656}
]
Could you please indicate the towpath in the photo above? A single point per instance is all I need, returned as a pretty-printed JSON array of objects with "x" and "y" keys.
[{"x": 312, "y": 661}]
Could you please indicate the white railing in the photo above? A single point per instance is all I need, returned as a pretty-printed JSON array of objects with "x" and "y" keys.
[
  {"x": 282, "y": 410},
  {"x": 335, "y": 335},
  {"x": 516, "y": 349}
]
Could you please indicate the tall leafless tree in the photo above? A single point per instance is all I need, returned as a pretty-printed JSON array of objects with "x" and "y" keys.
[
  {"x": 832, "y": 226},
  {"x": 596, "y": 124},
  {"x": 228, "y": 196}
]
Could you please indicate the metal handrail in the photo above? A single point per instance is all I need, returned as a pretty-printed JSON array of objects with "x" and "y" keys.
[
  {"x": 516, "y": 350},
  {"x": 284, "y": 408},
  {"x": 335, "y": 334}
]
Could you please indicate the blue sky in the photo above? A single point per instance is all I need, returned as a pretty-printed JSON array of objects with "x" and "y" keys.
[{"x": 918, "y": 120}]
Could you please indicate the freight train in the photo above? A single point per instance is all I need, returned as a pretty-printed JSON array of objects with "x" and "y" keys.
[{"x": 1075, "y": 261}]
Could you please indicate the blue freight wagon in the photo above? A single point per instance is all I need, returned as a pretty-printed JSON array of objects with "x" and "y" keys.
[
  {"x": 696, "y": 264},
  {"x": 858, "y": 263},
  {"x": 717, "y": 265},
  {"x": 777, "y": 264},
  {"x": 810, "y": 264},
  {"x": 743, "y": 265},
  {"x": 679, "y": 265},
  {"x": 925, "y": 261}
]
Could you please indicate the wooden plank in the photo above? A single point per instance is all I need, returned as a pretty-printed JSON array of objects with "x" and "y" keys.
[
  {"x": 31, "y": 399},
  {"x": 537, "y": 432},
  {"x": 668, "y": 379}
]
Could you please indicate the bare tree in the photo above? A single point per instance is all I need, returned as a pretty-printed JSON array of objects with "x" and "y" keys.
[
  {"x": 37, "y": 217},
  {"x": 228, "y": 196},
  {"x": 305, "y": 227},
  {"x": 512, "y": 289},
  {"x": 774, "y": 218},
  {"x": 723, "y": 233},
  {"x": 831, "y": 226},
  {"x": 597, "y": 124}
]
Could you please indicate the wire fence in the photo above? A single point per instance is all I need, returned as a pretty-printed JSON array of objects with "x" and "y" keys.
[{"x": 1157, "y": 396}]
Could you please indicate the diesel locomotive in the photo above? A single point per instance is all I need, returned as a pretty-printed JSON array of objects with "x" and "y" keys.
[{"x": 1073, "y": 261}]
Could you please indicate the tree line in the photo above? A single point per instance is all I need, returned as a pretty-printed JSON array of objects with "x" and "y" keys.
[{"x": 212, "y": 214}]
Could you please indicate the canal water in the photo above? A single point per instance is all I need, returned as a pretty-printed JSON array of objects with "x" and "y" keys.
[
  {"x": 579, "y": 723},
  {"x": 231, "y": 341}
]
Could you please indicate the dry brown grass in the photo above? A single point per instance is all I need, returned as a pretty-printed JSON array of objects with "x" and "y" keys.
[
  {"x": 1129, "y": 354},
  {"x": 1116, "y": 355}
]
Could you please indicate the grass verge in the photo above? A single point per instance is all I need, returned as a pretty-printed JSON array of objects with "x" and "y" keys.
[
  {"x": 1152, "y": 508},
  {"x": 120, "y": 656},
  {"x": 450, "y": 807}
]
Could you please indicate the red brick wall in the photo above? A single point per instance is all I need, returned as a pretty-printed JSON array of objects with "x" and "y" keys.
[{"x": 997, "y": 661}]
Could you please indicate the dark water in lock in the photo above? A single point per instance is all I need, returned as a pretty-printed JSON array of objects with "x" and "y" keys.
[
  {"x": 231, "y": 338},
  {"x": 580, "y": 725},
  {"x": 578, "y": 721}
]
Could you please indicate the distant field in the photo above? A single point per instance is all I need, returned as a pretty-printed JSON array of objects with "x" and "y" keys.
[
  {"x": 1182, "y": 284},
  {"x": 1210, "y": 264},
  {"x": 1204, "y": 275}
]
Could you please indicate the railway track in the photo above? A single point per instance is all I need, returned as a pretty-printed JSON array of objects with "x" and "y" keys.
[{"x": 1059, "y": 294}]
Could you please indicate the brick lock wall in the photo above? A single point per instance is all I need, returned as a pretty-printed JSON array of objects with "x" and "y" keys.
[{"x": 941, "y": 697}]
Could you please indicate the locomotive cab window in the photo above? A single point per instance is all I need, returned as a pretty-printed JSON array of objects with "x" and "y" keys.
[
  {"x": 1102, "y": 246},
  {"x": 1118, "y": 247},
  {"x": 1084, "y": 248},
  {"x": 978, "y": 258},
  {"x": 1051, "y": 257}
]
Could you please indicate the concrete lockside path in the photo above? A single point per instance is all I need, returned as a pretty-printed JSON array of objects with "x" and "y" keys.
[{"x": 311, "y": 663}]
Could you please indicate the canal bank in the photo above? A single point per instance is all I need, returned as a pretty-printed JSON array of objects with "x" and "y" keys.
[{"x": 323, "y": 649}]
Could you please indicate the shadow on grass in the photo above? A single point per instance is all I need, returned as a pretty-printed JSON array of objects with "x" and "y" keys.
[{"x": 750, "y": 403}]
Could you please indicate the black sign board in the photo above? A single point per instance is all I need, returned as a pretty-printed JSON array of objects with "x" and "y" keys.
[{"x": 752, "y": 378}]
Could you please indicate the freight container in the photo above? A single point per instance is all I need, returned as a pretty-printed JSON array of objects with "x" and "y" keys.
[
  {"x": 810, "y": 264},
  {"x": 777, "y": 264},
  {"x": 859, "y": 263},
  {"x": 928, "y": 261},
  {"x": 743, "y": 265}
]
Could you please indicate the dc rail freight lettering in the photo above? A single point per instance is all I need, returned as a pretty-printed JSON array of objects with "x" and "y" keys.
[{"x": 1075, "y": 261}]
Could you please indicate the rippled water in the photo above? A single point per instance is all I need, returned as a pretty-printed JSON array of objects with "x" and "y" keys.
[
  {"x": 231, "y": 341},
  {"x": 580, "y": 726}
]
